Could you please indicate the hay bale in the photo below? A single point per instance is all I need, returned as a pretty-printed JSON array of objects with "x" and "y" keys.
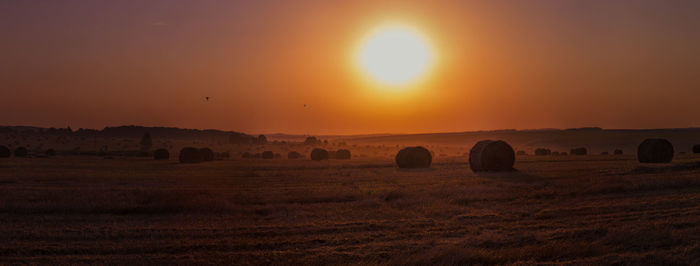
[
  {"x": 579, "y": 151},
  {"x": 618, "y": 152},
  {"x": 605, "y": 153},
  {"x": 319, "y": 154},
  {"x": 268, "y": 155},
  {"x": 293, "y": 155},
  {"x": 50, "y": 152},
  {"x": 207, "y": 154},
  {"x": 21, "y": 152},
  {"x": 696, "y": 148},
  {"x": 342, "y": 154},
  {"x": 542, "y": 152},
  {"x": 414, "y": 157},
  {"x": 655, "y": 151},
  {"x": 5, "y": 152},
  {"x": 190, "y": 155},
  {"x": 490, "y": 155},
  {"x": 521, "y": 153},
  {"x": 161, "y": 154}
]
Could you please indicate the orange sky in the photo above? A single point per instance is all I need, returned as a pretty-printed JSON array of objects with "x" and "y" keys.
[{"x": 502, "y": 64}]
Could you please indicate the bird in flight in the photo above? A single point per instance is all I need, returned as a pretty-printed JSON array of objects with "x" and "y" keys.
[{"x": 206, "y": 98}]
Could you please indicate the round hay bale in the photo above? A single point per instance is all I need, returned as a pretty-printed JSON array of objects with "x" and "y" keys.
[
  {"x": 161, "y": 154},
  {"x": 5, "y": 152},
  {"x": 268, "y": 155},
  {"x": 490, "y": 155},
  {"x": 342, "y": 154},
  {"x": 293, "y": 155},
  {"x": 579, "y": 151},
  {"x": 207, "y": 154},
  {"x": 414, "y": 157},
  {"x": 21, "y": 152},
  {"x": 542, "y": 152},
  {"x": 655, "y": 151},
  {"x": 319, "y": 154},
  {"x": 618, "y": 152},
  {"x": 696, "y": 148},
  {"x": 50, "y": 152},
  {"x": 521, "y": 153},
  {"x": 190, "y": 155}
]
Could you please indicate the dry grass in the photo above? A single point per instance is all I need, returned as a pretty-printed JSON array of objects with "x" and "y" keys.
[{"x": 554, "y": 210}]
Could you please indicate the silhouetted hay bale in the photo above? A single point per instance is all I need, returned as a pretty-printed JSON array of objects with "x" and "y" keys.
[
  {"x": 21, "y": 152},
  {"x": 618, "y": 152},
  {"x": 268, "y": 155},
  {"x": 579, "y": 151},
  {"x": 490, "y": 155},
  {"x": 246, "y": 155},
  {"x": 655, "y": 151},
  {"x": 5, "y": 152},
  {"x": 319, "y": 154},
  {"x": 342, "y": 154},
  {"x": 605, "y": 153},
  {"x": 542, "y": 152},
  {"x": 207, "y": 154},
  {"x": 190, "y": 155},
  {"x": 414, "y": 157},
  {"x": 696, "y": 148},
  {"x": 161, "y": 154},
  {"x": 521, "y": 153},
  {"x": 293, "y": 155},
  {"x": 50, "y": 152}
]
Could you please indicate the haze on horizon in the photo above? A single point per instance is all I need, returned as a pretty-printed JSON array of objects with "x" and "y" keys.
[{"x": 499, "y": 64}]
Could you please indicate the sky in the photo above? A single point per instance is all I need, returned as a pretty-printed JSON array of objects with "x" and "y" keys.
[{"x": 287, "y": 66}]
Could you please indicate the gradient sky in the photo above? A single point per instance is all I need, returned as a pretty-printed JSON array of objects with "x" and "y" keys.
[{"x": 502, "y": 65}]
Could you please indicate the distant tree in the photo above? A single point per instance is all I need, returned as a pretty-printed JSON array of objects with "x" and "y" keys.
[
  {"x": 262, "y": 139},
  {"x": 312, "y": 141},
  {"x": 146, "y": 142}
]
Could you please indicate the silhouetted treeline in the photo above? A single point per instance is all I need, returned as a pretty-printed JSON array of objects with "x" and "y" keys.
[{"x": 138, "y": 132}]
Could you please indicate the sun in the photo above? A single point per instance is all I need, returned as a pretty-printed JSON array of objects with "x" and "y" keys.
[{"x": 395, "y": 55}]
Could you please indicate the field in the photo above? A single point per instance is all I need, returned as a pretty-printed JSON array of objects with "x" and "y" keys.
[{"x": 571, "y": 209}]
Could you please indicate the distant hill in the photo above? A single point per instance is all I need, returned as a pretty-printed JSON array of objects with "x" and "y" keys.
[{"x": 595, "y": 139}]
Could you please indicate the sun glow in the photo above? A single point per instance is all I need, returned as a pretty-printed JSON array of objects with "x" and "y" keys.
[{"x": 395, "y": 56}]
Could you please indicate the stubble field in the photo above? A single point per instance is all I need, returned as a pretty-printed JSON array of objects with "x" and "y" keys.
[{"x": 553, "y": 210}]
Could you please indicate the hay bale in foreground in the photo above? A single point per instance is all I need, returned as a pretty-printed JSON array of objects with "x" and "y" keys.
[
  {"x": 318, "y": 154},
  {"x": 207, "y": 154},
  {"x": 414, "y": 157},
  {"x": 579, "y": 151},
  {"x": 161, "y": 154},
  {"x": 491, "y": 155},
  {"x": 5, "y": 152},
  {"x": 342, "y": 154},
  {"x": 542, "y": 152},
  {"x": 655, "y": 151},
  {"x": 618, "y": 152},
  {"x": 268, "y": 155},
  {"x": 293, "y": 155},
  {"x": 21, "y": 152},
  {"x": 190, "y": 155}
]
